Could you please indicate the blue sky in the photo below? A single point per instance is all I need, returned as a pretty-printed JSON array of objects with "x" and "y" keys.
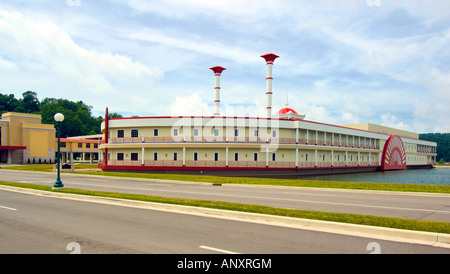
[{"x": 341, "y": 62}]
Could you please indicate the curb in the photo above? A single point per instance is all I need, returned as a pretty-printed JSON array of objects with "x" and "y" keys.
[{"x": 383, "y": 233}]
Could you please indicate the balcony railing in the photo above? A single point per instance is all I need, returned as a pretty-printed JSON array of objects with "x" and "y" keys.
[
  {"x": 235, "y": 164},
  {"x": 221, "y": 139}
]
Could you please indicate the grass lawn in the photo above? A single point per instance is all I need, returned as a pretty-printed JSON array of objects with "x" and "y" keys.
[{"x": 92, "y": 169}]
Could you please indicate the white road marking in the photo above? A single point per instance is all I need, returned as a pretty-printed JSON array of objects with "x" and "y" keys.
[
  {"x": 218, "y": 249},
  {"x": 310, "y": 194},
  {"x": 9, "y": 208}
]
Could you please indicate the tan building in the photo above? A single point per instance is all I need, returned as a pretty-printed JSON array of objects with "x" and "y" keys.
[
  {"x": 24, "y": 139},
  {"x": 81, "y": 149},
  {"x": 383, "y": 129}
]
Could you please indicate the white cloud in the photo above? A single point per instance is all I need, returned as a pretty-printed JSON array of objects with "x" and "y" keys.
[
  {"x": 390, "y": 120},
  {"x": 181, "y": 8},
  {"x": 197, "y": 45},
  {"x": 189, "y": 105},
  {"x": 53, "y": 65}
]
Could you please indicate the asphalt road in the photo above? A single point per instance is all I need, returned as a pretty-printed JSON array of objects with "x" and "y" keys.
[
  {"x": 401, "y": 205},
  {"x": 31, "y": 224}
]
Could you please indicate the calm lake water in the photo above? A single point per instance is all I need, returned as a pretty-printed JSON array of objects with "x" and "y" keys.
[{"x": 434, "y": 176}]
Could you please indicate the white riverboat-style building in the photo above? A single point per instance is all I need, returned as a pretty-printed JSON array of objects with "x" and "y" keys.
[{"x": 279, "y": 144}]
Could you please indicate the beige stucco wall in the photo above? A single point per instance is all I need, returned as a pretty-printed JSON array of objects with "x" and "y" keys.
[{"x": 383, "y": 129}]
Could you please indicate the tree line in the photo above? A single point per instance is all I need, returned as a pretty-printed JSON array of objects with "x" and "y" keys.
[
  {"x": 443, "y": 144},
  {"x": 78, "y": 118}
]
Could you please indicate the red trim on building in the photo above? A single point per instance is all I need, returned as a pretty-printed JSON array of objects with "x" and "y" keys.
[
  {"x": 106, "y": 134},
  {"x": 13, "y": 147},
  {"x": 77, "y": 140},
  {"x": 181, "y": 168}
]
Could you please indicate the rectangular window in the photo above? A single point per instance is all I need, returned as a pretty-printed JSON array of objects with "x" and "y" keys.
[
  {"x": 62, "y": 144},
  {"x": 134, "y": 133},
  {"x": 155, "y": 156},
  {"x": 195, "y": 132},
  {"x": 95, "y": 145},
  {"x": 80, "y": 145},
  {"x": 306, "y": 157},
  {"x": 255, "y": 133},
  {"x": 195, "y": 156},
  {"x": 155, "y": 132},
  {"x": 88, "y": 145},
  {"x": 236, "y": 156},
  {"x": 120, "y": 133},
  {"x": 255, "y": 156},
  {"x": 175, "y": 132},
  {"x": 236, "y": 132},
  {"x": 175, "y": 156},
  {"x": 134, "y": 156},
  {"x": 216, "y": 156},
  {"x": 274, "y": 133},
  {"x": 216, "y": 132},
  {"x": 120, "y": 156},
  {"x": 273, "y": 157}
]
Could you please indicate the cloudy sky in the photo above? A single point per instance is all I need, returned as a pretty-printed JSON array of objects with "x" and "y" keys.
[{"x": 345, "y": 61}]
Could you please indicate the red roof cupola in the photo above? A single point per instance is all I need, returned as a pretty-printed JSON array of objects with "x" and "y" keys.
[{"x": 286, "y": 111}]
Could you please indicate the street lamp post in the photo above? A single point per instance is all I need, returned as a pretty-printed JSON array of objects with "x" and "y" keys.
[{"x": 58, "y": 118}]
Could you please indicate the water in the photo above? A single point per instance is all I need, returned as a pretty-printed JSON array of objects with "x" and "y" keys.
[{"x": 434, "y": 176}]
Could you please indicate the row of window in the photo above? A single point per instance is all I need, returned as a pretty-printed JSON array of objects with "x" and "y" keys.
[
  {"x": 135, "y": 157},
  {"x": 135, "y": 133},
  {"x": 80, "y": 145}
]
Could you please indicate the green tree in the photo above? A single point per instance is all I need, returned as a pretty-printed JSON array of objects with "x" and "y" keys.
[
  {"x": 8, "y": 102},
  {"x": 115, "y": 115},
  {"x": 443, "y": 144},
  {"x": 77, "y": 116},
  {"x": 30, "y": 102}
]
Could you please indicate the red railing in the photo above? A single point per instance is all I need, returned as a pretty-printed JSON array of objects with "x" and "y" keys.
[
  {"x": 214, "y": 139},
  {"x": 237, "y": 164}
]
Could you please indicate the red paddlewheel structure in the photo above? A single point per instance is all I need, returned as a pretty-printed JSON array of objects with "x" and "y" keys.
[{"x": 394, "y": 156}]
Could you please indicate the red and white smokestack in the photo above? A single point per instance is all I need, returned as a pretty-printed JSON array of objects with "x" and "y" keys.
[
  {"x": 217, "y": 72},
  {"x": 270, "y": 58}
]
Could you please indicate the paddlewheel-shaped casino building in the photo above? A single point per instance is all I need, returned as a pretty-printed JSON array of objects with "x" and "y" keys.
[{"x": 281, "y": 143}]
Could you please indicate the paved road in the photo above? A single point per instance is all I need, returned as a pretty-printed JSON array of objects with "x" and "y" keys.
[
  {"x": 41, "y": 224},
  {"x": 413, "y": 206}
]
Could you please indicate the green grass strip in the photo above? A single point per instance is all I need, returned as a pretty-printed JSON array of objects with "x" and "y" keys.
[
  {"x": 84, "y": 169},
  {"x": 400, "y": 223}
]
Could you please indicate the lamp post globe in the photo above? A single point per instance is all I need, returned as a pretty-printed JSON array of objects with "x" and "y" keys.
[{"x": 58, "y": 118}]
